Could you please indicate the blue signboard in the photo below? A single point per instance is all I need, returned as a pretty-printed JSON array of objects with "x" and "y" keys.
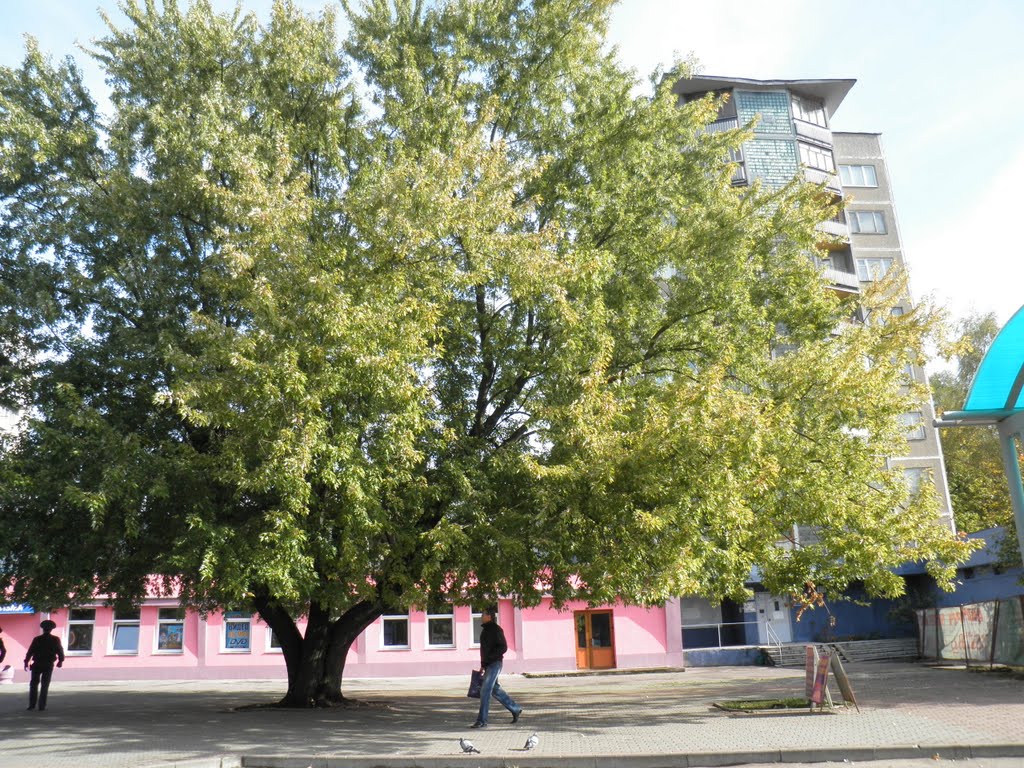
[{"x": 17, "y": 608}]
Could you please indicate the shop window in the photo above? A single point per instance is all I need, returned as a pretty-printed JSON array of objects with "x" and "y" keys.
[
  {"x": 237, "y": 635},
  {"x": 125, "y": 632},
  {"x": 170, "y": 630},
  {"x": 81, "y": 623}
]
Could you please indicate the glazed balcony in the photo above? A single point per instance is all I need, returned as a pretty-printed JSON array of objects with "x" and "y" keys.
[
  {"x": 829, "y": 180},
  {"x": 815, "y": 133}
]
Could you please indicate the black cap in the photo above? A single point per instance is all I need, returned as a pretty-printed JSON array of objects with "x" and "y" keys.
[{"x": 47, "y": 625}]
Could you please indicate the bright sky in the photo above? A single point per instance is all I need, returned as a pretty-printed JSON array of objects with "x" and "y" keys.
[{"x": 939, "y": 79}]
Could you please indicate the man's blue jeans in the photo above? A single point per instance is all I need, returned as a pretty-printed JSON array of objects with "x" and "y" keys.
[{"x": 489, "y": 688}]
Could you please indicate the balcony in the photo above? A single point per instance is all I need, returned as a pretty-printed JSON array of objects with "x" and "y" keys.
[
  {"x": 813, "y": 132},
  {"x": 829, "y": 180},
  {"x": 838, "y": 229},
  {"x": 841, "y": 280},
  {"x": 719, "y": 126}
]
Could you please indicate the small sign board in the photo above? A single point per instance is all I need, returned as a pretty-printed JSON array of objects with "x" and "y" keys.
[
  {"x": 843, "y": 681},
  {"x": 810, "y": 664},
  {"x": 17, "y": 608},
  {"x": 820, "y": 688}
]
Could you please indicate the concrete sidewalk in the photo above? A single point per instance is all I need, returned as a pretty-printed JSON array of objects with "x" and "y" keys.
[{"x": 643, "y": 720}]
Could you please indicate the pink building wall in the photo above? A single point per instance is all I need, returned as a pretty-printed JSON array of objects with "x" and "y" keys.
[{"x": 540, "y": 639}]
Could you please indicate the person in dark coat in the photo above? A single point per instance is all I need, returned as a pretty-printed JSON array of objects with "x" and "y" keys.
[
  {"x": 3, "y": 649},
  {"x": 44, "y": 650},
  {"x": 492, "y": 652}
]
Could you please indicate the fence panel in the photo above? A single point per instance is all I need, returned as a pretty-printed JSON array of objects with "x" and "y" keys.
[{"x": 981, "y": 633}]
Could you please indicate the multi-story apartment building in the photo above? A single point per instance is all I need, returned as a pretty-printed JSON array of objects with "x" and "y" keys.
[{"x": 793, "y": 136}]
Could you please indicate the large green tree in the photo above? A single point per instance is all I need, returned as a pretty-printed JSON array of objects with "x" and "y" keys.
[
  {"x": 458, "y": 310},
  {"x": 974, "y": 463}
]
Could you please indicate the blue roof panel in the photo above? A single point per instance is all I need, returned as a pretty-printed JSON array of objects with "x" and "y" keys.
[{"x": 997, "y": 384}]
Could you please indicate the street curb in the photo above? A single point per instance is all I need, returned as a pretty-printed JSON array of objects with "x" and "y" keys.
[{"x": 675, "y": 760}]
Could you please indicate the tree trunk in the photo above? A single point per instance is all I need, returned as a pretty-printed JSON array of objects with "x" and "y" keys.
[
  {"x": 343, "y": 633},
  {"x": 316, "y": 661}
]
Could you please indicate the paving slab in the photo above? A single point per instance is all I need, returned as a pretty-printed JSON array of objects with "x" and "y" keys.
[{"x": 651, "y": 720}]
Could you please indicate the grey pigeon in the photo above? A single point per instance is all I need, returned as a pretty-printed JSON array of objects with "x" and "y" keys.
[
  {"x": 532, "y": 742},
  {"x": 467, "y": 746}
]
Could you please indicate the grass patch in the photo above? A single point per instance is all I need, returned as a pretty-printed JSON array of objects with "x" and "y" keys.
[{"x": 757, "y": 705}]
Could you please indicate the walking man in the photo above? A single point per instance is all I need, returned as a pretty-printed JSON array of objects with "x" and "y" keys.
[
  {"x": 44, "y": 650},
  {"x": 492, "y": 651}
]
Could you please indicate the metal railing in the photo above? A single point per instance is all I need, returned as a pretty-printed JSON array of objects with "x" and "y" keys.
[
  {"x": 773, "y": 638},
  {"x": 726, "y": 124}
]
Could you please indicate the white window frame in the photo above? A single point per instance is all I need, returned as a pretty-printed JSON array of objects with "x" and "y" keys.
[
  {"x": 229, "y": 617},
  {"x": 269, "y": 646},
  {"x": 858, "y": 176},
  {"x": 476, "y": 619},
  {"x": 162, "y": 622},
  {"x": 433, "y": 615},
  {"x": 859, "y": 222},
  {"x": 808, "y": 109},
  {"x": 395, "y": 617},
  {"x": 913, "y": 423},
  {"x": 871, "y": 269},
  {"x": 819, "y": 158},
  {"x": 80, "y": 622},
  {"x": 122, "y": 623}
]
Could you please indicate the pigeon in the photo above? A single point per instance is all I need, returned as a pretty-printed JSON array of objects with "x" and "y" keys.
[
  {"x": 532, "y": 742},
  {"x": 467, "y": 746}
]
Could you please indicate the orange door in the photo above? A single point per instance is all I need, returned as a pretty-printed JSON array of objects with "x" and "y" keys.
[{"x": 595, "y": 640}]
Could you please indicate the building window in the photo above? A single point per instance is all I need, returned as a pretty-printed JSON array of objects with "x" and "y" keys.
[
  {"x": 81, "y": 623},
  {"x": 858, "y": 175},
  {"x": 478, "y": 624},
  {"x": 913, "y": 476},
  {"x": 817, "y": 157},
  {"x": 170, "y": 630},
  {"x": 809, "y": 110},
  {"x": 273, "y": 644},
  {"x": 395, "y": 626},
  {"x": 866, "y": 222},
  {"x": 441, "y": 626},
  {"x": 873, "y": 269},
  {"x": 237, "y": 637},
  {"x": 125, "y": 632},
  {"x": 913, "y": 422}
]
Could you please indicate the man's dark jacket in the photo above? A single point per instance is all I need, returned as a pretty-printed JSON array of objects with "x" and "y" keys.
[
  {"x": 44, "y": 650},
  {"x": 492, "y": 644}
]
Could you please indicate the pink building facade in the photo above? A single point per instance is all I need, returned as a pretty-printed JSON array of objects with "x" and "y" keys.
[{"x": 159, "y": 641}]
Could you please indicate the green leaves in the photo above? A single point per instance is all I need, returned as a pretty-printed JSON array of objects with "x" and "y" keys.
[{"x": 454, "y": 309}]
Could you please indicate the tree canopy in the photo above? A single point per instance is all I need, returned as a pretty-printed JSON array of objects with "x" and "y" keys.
[{"x": 458, "y": 308}]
